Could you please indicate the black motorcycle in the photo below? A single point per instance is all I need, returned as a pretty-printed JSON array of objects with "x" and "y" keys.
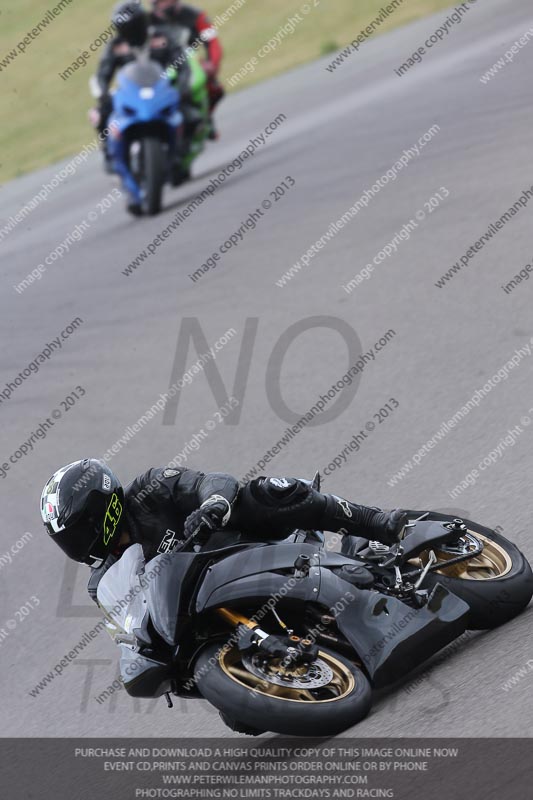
[{"x": 290, "y": 637}]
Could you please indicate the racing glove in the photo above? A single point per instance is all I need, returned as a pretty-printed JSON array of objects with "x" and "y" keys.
[
  {"x": 214, "y": 513},
  {"x": 209, "y": 68}
]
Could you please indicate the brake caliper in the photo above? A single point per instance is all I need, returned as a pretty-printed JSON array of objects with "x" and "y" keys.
[{"x": 292, "y": 650}]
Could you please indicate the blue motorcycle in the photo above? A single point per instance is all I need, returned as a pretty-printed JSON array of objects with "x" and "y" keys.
[{"x": 143, "y": 133}]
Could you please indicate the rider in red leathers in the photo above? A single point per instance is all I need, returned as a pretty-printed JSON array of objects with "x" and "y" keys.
[{"x": 189, "y": 27}]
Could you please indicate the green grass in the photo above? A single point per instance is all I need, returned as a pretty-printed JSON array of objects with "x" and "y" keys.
[{"x": 45, "y": 118}]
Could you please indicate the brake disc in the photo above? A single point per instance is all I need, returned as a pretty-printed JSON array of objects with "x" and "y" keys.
[{"x": 318, "y": 673}]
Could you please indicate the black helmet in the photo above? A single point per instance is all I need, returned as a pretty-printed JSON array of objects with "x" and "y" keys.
[
  {"x": 131, "y": 21},
  {"x": 169, "y": 10},
  {"x": 81, "y": 507}
]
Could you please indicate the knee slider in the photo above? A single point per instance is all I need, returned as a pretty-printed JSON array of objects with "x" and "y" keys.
[
  {"x": 280, "y": 504},
  {"x": 280, "y": 492}
]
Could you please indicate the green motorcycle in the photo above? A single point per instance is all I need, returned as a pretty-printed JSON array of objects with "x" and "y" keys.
[{"x": 197, "y": 122}]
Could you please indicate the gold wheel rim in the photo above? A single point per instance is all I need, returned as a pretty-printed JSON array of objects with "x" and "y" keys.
[
  {"x": 343, "y": 681},
  {"x": 493, "y": 563}
]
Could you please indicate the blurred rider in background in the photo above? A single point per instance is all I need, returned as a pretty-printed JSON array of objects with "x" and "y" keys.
[
  {"x": 169, "y": 30},
  {"x": 190, "y": 27},
  {"x": 134, "y": 31}
]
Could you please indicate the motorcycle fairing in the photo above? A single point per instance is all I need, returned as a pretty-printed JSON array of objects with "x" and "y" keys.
[
  {"x": 168, "y": 595},
  {"x": 251, "y": 575},
  {"x": 135, "y": 103},
  {"x": 142, "y": 676},
  {"x": 122, "y": 594},
  {"x": 389, "y": 636},
  {"x": 143, "y": 98}
]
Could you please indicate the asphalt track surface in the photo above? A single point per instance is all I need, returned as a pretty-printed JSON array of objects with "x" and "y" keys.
[{"x": 343, "y": 131}]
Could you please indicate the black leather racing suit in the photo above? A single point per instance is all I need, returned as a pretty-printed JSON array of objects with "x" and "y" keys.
[{"x": 157, "y": 504}]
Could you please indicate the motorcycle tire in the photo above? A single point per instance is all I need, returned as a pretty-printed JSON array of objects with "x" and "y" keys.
[
  {"x": 226, "y": 683},
  {"x": 497, "y": 585},
  {"x": 154, "y": 174}
]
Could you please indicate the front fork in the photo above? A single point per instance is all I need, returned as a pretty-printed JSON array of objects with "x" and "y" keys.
[
  {"x": 238, "y": 619},
  {"x": 118, "y": 150},
  {"x": 290, "y": 648}
]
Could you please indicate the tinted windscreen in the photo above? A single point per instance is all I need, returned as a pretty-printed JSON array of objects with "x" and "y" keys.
[
  {"x": 120, "y": 593},
  {"x": 143, "y": 73}
]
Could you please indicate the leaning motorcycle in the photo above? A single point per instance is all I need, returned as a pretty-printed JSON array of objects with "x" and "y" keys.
[
  {"x": 290, "y": 637},
  {"x": 154, "y": 136}
]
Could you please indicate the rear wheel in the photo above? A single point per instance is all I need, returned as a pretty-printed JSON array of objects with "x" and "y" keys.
[
  {"x": 154, "y": 174},
  {"x": 322, "y": 700},
  {"x": 497, "y": 584}
]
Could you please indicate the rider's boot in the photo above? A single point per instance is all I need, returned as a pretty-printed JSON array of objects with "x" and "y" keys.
[
  {"x": 134, "y": 204},
  {"x": 370, "y": 523},
  {"x": 213, "y": 131}
]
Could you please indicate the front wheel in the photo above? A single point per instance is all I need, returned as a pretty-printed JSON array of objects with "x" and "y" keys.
[
  {"x": 154, "y": 174},
  {"x": 322, "y": 700},
  {"x": 497, "y": 584}
]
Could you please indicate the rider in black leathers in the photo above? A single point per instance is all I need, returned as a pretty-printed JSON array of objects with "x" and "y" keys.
[{"x": 94, "y": 520}]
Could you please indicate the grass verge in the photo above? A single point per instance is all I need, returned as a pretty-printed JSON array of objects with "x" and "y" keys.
[{"x": 45, "y": 117}]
